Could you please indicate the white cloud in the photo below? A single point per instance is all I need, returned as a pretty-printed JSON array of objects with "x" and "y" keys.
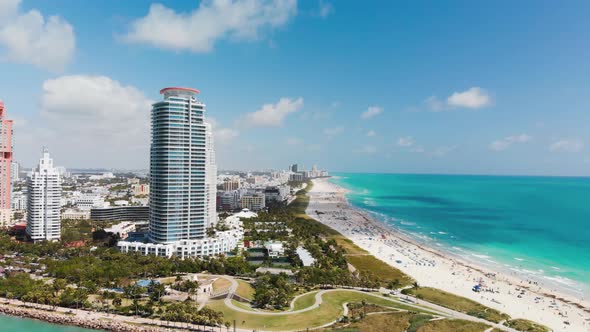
[
  {"x": 94, "y": 121},
  {"x": 434, "y": 104},
  {"x": 325, "y": 9},
  {"x": 225, "y": 135},
  {"x": 213, "y": 20},
  {"x": 473, "y": 98},
  {"x": 417, "y": 149},
  {"x": 293, "y": 141},
  {"x": 30, "y": 38},
  {"x": 372, "y": 111},
  {"x": 368, "y": 149},
  {"x": 220, "y": 134},
  {"x": 371, "y": 133},
  {"x": 333, "y": 131},
  {"x": 273, "y": 115},
  {"x": 506, "y": 142},
  {"x": 566, "y": 145},
  {"x": 405, "y": 141}
]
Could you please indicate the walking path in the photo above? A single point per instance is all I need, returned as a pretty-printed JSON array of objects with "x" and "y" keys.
[{"x": 410, "y": 301}]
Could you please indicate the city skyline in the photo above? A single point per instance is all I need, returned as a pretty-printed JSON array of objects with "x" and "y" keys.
[{"x": 429, "y": 95}]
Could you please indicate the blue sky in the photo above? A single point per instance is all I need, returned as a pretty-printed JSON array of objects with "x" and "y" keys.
[{"x": 446, "y": 87}]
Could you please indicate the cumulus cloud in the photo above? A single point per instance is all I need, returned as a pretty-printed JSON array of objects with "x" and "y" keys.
[
  {"x": 506, "y": 142},
  {"x": 30, "y": 38},
  {"x": 405, "y": 141},
  {"x": 371, "y": 112},
  {"x": 473, "y": 98},
  {"x": 567, "y": 145},
  {"x": 273, "y": 115},
  {"x": 371, "y": 133},
  {"x": 213, "y": 20},
  {"x": 93, "y": 121},
  {"x": 220, "y": 134},
  {"x": 333, "y": 131}
]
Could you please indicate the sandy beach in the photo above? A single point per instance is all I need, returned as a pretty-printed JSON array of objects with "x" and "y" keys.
[{"x": 506, "y": 292}]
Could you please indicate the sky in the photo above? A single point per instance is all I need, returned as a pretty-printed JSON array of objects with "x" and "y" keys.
[{"x": 458, "y": 87}]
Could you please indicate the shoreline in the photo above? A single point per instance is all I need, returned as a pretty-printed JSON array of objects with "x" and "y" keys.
[
  {"x": 98, "y": 321},
  {"x": 446, "y": 271}
]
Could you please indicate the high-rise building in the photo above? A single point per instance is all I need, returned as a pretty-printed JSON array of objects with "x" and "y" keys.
[
  {"x": 43, "y": 201},
  {"x": 15, "y": 172},
  {"x": 211, "y": 179},
  {"x": 181, "y": 163},
  {"x": 183, "y": 182},
  {"x": 231, "y": 184},
  {"x": 5, "y": 165}
]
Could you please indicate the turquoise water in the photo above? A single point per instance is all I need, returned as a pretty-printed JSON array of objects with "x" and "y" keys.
[
  {"x": 9, "y": 323},
  {"x": 538, "y": 227}
]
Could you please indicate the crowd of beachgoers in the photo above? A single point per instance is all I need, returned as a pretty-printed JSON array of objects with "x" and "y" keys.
[{"x": 431, "y": 267}]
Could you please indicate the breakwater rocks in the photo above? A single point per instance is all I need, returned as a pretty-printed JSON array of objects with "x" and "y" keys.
[{"x": 85, "y": 322}]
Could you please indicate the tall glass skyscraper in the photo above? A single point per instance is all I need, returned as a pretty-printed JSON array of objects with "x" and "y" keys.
[{"x": 182, "y": 168}]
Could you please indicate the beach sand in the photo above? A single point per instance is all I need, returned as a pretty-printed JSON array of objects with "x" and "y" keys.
[{"x": 432, "y": 268}]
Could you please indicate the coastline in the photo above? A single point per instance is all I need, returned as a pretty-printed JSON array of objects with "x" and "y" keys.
[
  {"x": 434, "y": 268},
  {"x": 98, "y": 321}
]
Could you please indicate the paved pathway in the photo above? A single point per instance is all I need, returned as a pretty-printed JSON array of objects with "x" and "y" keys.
[{"x": 409, "y": 301}]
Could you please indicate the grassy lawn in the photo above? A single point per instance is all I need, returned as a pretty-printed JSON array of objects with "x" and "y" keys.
[
  {"x": 348, "y": 245},
  {"x": 457, "y": 303},
  {"x": 245, "y": 290},
  {"x": 379, "y": 269},
  {"x": 221, "y": 284},
  {"x": 454, "y": 325},
  {"x": 305, "y": 301},
  {"x": 328, "y": 311},
  {"x": 526, "y": 325}
]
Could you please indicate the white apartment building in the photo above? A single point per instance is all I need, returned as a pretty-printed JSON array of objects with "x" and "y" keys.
[
  {"x": 89, "y": 201},
  {"x": 43, "y": 202},
  {"x": 75, "y": 214}
]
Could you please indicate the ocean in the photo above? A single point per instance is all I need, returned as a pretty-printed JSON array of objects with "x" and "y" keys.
[
  {"x": 9, "y": 323},
  {"x": 536, "y": 227}
]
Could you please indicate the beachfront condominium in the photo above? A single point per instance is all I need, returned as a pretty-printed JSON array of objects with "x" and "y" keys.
[
  {"x": 180, "y": 166},
  {"x": 43, "y": 201},
  {"x": 183, "y": 181},
  {"x": 5, "y": 165}
]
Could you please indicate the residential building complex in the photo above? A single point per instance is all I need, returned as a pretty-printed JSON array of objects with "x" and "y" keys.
[
  {"x": 43, "y": 202},
  {"x": 5, "y": 166},
  {"x": 183, "y": 181}
]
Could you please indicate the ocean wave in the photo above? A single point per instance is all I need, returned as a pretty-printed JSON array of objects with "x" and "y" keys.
[
  {"x": 407, "y": 223},
  {"x": 519, "y": 259},
  {"x": 480, "y": 256},
  {"x": 555, "y": 268},
  {"x": 443, "y": 233},
  {"x": 561, "y": 280}
]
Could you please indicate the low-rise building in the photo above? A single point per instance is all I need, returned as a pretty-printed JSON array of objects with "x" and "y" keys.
[
  {"x": 123, "y": 229},
  {"x": 75, "y": 214},
  {"x": 253, "y": 201},
  {"x": 123, "y": 213},
  {"x": 221, "y": 243}
]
